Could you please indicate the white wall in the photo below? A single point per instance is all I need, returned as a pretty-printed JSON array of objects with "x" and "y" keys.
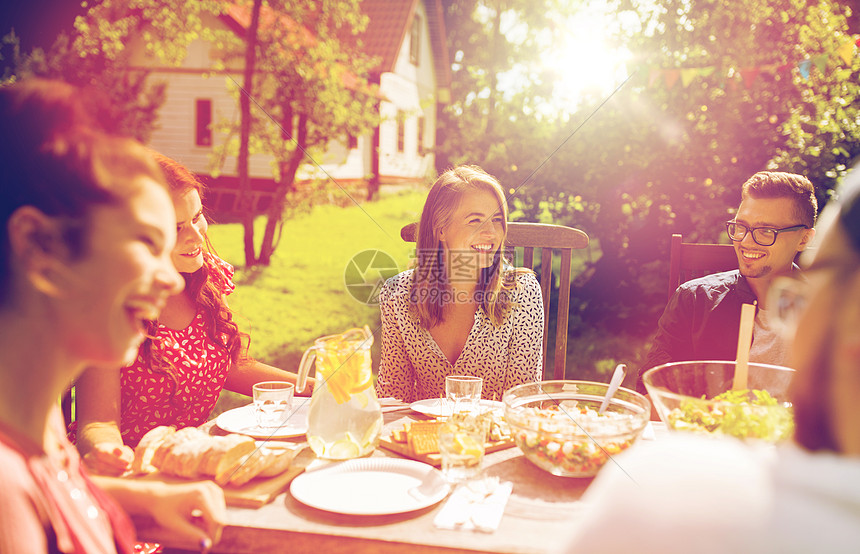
[{"x": 410, "y": 89}]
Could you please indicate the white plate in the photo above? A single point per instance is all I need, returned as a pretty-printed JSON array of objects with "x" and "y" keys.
[
  {"x": 371, "y": 486},
  {"x": 244, "y": 421},
  {"x": 438, "y": 407}
]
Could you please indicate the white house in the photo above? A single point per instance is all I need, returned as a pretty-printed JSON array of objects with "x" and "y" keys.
[{"x": 413, "y": 77}]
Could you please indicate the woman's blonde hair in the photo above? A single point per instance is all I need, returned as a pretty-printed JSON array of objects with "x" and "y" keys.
[{"x": 431, "y": 288}]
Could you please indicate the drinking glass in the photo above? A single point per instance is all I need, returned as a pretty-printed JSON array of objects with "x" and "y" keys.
[
  {"x": 464, "y": 392},
  {"x": 273, "y": 401},
  {"x": 461, "y": 443}
]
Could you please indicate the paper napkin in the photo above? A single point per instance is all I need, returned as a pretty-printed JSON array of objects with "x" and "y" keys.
[{"x": 476, "y": 505}]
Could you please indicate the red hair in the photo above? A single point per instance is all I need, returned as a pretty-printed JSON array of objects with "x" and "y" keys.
[{"x": 205, "y": 286}]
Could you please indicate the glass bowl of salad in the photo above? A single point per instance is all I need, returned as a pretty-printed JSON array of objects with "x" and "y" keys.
[
  {"x": 557, "y": 425},
  {"x": 698, "y": 397}
]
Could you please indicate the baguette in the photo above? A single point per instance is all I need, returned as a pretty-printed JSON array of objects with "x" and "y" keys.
[
  {"x": 266, "y": 461},
  {"x": 146, "y": 448},
  {"x": 231, "y": 459},
  {"x": 221, "y": 446},
  {"x": 184, "y": 459},
  {"x": 279, "y": 459},
  {"x": 250, "y": 465},
  {"x": 191, "y": 453},
  {"x": 173, "y": 440}
]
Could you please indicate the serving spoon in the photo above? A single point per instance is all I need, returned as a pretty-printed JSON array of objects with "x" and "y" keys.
[{"x": 614, "y": 383}]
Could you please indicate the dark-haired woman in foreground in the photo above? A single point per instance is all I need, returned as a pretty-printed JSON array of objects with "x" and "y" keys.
[{"x": 85, "y": 262}]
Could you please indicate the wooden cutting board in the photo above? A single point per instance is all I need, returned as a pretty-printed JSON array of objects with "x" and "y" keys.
[
  {"x": 435, "y": 459},
  {"x": 257, "y": 492}
]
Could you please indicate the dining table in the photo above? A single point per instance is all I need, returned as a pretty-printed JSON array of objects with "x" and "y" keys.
[{"x": 538, "y": 517}]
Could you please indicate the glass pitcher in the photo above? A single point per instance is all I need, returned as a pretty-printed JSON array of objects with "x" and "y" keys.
[{"x": 345, "y": 417}]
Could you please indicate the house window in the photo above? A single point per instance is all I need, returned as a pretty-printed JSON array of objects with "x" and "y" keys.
[
  {"x": 420, "y": 140},
  {"x": 351, "y": 141},
  {"x": 203, "y": 122},
  {"x": 415, "y": 40},
  {"x": 401, "y": 133}
]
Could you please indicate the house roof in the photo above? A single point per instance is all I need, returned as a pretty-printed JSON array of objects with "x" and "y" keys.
[{"x": 390, "y": 22}]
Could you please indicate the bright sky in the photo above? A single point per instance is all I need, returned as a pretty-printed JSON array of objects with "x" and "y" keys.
[
  {"x": 585, "y": 61},
  {"x": 578, "y": 53}
]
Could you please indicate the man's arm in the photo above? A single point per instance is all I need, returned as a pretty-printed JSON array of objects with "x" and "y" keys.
[{"x": 673, "y": 338}]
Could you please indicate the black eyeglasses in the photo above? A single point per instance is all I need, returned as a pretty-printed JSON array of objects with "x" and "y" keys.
[{"x": 763, "y": 236}]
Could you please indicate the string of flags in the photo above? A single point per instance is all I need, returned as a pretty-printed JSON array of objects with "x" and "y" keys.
[{"x": 846, "y": 52}]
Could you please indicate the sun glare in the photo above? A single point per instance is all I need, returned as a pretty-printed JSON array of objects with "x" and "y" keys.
[{"x": 585, "y": 65}]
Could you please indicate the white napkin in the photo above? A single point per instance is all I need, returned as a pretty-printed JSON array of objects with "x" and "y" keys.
[
  {"x": 648, "y": 432},
  {"x": 476, "y": 505}
]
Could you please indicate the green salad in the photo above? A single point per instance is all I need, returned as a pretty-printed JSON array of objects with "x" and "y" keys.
[{"x": 739, "y": 413}]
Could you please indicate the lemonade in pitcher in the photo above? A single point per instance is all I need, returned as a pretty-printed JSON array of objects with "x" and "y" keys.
[{"x": 345, "y": 418}]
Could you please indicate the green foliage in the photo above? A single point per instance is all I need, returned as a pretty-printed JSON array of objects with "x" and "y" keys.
[
  {"x": 134, "y": 101},
  {"x": 655, "y": 160}
]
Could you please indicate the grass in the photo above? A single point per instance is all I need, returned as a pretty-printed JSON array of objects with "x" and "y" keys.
[{"x": 302, "y": 294}]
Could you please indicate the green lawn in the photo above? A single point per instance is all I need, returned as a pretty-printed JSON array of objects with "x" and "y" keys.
[{"x": 302, "y": 294}]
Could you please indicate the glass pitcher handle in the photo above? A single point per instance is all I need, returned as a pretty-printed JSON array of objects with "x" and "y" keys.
[{"x": 308, "y": 358}]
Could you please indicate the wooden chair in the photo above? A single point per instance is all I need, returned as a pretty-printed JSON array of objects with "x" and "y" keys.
[
  {"x": 689, "y": 261},
  {"x": 548, "y": 238}
]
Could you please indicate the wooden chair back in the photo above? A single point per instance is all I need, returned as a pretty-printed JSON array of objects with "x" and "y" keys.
[
  {"x": 690, "y": 260},
  {"x": 549, "y": 239}
]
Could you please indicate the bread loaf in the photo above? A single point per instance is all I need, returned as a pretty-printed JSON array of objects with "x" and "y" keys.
[
  {"x": 184, "y": 459},
  {"x": 279, "y": 461},
  {"x": 247, "y": 467},
  {"x": 191, "y": 453},
  {"x": 231, "y": 446},
  {"x": 172, "y": 440},
  {"x": 262, "y": 462},
  {"x": 147, "y": 446}
]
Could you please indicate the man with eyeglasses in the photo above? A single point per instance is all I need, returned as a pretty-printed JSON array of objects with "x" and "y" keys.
[{"x": 773, "y": 224}]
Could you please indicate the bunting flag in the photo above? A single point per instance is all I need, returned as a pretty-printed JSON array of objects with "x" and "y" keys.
[{"x": 845, "y": 53}]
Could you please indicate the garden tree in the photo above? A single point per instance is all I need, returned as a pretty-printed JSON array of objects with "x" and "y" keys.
[
  {"x": 658, "y": 159},
  {"x": 310, "y": 86},
  {"x": 135, "y": 101},
  {"x": 662, "y": 159},
  {"x": 245, "y": 96},
  {"x": 487, "y": 38},
  {"x": 309, "y": 83}
]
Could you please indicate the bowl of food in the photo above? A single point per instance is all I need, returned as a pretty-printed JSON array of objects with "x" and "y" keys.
[
  {"x": 698, "y": 397},
  {"x": 558, "y": 426}
]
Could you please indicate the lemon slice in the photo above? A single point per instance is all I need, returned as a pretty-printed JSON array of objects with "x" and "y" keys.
[
  {"x": 361, "y": 400},
  {"x": 345, "y": 448},
  {"x": 362, "y": 378},
  {"x": 466, "y": 445},
  {"x": 317, "y": 445}
]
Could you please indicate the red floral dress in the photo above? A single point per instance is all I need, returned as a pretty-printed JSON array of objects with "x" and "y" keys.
[{"x": 151, "y": 398}]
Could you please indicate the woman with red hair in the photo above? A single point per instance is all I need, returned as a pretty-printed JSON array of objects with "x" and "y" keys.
[{"x": 192, "y": 352}]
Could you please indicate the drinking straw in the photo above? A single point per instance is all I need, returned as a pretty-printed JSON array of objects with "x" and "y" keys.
[{"x": 744, "y": 342}]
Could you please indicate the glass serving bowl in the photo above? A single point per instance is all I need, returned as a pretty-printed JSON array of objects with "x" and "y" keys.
[
  {"x": 556, "y": 425},
  {"x": 683, "y": 395}
]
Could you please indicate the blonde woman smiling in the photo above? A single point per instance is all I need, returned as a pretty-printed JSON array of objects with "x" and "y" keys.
[{"x": 463, "y": 309}]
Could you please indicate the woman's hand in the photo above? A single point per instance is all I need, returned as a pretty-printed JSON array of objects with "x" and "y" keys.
[
  {"x": 109, "y": 458},
  {"x": 190, "y": 513},
  {"x": 194, "y": 512}
]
